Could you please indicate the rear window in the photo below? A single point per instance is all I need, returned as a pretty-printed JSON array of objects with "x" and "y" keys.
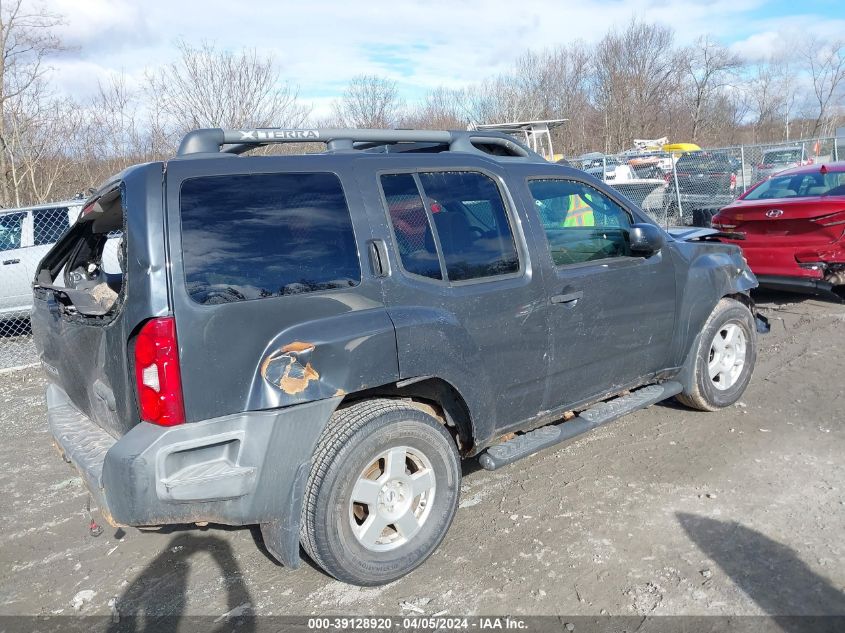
[
  {"x": 782, "y": 156},
  {"x": 799, "y": 185},
  {"x": 266, "y": 235},
  {"x": 702, "y": 162},
  {"x": 49, "y": 224}
]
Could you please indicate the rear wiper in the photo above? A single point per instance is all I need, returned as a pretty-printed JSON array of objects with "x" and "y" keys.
[{"x": 77, "y": 300}]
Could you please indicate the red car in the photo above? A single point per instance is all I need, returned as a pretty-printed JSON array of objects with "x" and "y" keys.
[{"x": 791, "y": 228}]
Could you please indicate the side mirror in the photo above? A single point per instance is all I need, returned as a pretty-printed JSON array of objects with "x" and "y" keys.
[{"x": 646, "y": 239}]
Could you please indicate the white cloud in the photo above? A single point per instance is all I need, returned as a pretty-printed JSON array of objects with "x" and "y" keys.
[
  {"x": 422, "y": 44},
  {"x": 785, "y": 36}
]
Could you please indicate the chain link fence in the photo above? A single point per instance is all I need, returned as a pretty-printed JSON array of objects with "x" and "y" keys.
[
  {"x": 26, "y": 235},
  {"x": 688, "y": 188}
]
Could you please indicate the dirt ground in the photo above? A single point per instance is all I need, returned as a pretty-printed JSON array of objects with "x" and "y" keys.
[{"x": 667, "y": 511}]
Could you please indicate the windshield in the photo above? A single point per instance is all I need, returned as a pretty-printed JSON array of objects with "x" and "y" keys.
[{"x": 799, "y": 185}]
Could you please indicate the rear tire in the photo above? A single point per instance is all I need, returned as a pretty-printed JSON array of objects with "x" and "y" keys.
[
  {"x": 383, "y": 491},
  {"x": 724, "y": 359}
]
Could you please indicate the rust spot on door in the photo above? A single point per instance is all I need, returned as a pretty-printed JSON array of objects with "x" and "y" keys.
[{"x": 289, "y": 368}]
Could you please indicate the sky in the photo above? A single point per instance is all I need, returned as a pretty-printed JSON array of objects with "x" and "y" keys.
[{"x": 320, "y": 45}]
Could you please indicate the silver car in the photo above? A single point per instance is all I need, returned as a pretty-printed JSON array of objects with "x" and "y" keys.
[{"x": 26, "y": 234}]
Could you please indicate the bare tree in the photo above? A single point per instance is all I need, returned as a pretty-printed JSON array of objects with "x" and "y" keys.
[
  {"x": 708, "y": 67},
  {"x": 207, "y": 87},
  {"x": 369, "y": 102},
  {"x": 440, "y": 109},
  {"x": 767, "y": 98},
  {"x": 636, "y": 72},
  {"x": 26, "y": 39},
  {"x": 825, "y": 62}
]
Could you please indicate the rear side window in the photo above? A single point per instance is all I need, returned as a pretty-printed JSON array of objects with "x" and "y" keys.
[
  {"x": 49, "y": 225},
  {"x": 11, "y": 229},
  {"x": 411, "y": 227},
  {"x": 266, "y": 235},
  {"x": 453, "y": 220},
  {"x": 472, "y": 224}
]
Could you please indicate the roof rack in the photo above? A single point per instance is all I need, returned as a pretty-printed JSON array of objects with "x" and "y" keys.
[{"x": 216, "y": 140}]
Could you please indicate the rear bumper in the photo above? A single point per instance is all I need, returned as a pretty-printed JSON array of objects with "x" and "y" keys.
[
  {"x": 816, "y": 287},
  {"x": 249, "y": 468},
  {"x": 781, "y": 261}
]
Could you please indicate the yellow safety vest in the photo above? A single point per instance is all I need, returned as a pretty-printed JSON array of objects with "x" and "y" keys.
[{"x": 579, "y": 212}]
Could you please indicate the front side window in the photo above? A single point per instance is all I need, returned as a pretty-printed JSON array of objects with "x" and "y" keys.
[
  {"x": 581, "y": 223},
  {"x": 266, "y": 235},
  {"x": 49, "y": 224},
  {"x": 11, "y": 229}
]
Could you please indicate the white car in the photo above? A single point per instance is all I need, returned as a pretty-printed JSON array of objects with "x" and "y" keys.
[{"x": 26, "y": 234}]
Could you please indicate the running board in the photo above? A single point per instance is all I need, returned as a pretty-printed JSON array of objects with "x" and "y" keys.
[{"x": 601, "y": 413}]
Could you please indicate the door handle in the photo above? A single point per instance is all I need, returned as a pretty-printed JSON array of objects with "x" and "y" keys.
[
  {"x": 7, "y": 262},
  {"x": 569, "y": 298},
  {"x": 378, "y": 258}
]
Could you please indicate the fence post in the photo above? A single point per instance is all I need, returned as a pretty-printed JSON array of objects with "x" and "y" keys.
[
  {"x": 604, "y": 168},
  {"x": 742, "y": 167},
  {"x": 677, "y": 195}
]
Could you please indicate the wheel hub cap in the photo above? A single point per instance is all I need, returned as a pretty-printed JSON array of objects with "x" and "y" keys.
[
  {"x": 727, "y": 356},
  {"x": 391, "y": 499}
]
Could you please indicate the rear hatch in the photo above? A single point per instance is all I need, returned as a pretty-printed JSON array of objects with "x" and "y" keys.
[
  {"x": 806, "y": 221},
  {"x": 94, "y": 289}
]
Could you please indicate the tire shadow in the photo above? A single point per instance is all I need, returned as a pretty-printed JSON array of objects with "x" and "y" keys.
[{"x": 769, "y": 572}]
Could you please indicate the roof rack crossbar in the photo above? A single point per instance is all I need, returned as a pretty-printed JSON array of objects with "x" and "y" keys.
[{"x": 216, "y": 140}]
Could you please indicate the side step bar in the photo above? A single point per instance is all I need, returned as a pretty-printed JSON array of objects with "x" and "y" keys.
[{"x": 601, "y": 413}]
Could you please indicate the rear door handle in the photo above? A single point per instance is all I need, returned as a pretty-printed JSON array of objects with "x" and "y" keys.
[
  {"x": 7, "y": 262},
  {"x": 378, "y": 258},
  {"x": 569, "y": 298}
]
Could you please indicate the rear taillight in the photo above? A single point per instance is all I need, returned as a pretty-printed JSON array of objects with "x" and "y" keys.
[
  {"x": 718, "y": 222},
  {"x": 831, "y": 220},
  {"x": 733, "y": 182},
  {"x": 157, "y": 377}
]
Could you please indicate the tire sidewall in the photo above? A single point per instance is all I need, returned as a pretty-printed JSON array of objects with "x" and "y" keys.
[
  {"x": 336, "y": 542},
  {"x": 741, "y": 316}
]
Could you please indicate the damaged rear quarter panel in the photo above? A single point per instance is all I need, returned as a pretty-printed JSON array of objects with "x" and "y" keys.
[
  {"x": 282, "y": 350},
  {"x": 325, "y": 358}
]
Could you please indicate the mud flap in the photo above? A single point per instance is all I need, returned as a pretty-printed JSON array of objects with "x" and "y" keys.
[{"x": 281, "y": 536}]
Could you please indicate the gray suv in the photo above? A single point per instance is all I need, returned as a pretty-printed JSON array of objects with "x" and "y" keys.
[{"x": 313, "y": 343}]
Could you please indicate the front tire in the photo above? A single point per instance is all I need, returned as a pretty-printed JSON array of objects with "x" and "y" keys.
[
  {"x": 383, "y": 491},
  {"x": 724, "y": 359}
]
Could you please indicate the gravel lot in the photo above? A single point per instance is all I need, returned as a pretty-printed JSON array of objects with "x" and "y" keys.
[{"x": 667, "y": 511}]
